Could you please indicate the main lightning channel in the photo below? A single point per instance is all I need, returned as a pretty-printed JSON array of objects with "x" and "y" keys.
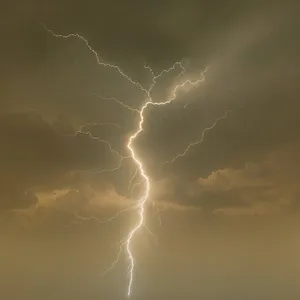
[{"x": 143, "y": 200}]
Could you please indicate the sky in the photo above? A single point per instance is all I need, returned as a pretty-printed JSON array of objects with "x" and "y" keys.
[{"x": 222, "y": 220}]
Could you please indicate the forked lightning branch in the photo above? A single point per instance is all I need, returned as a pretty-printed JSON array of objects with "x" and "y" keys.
[{"x": 141, "y": 203}]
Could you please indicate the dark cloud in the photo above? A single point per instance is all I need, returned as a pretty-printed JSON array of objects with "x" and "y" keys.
[
  {"x": 34, "y": 155},
  {"x": 63, "y": 124},
  {"x": 12, "y": 198}
]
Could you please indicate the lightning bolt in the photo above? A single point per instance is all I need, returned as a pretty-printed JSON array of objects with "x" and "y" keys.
[
  {"x": 140, "y": 207},
  {"x": 143, "y": 200}
]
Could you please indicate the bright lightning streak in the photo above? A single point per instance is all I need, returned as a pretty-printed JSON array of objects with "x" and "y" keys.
[
  {"x": 141, "y": 204},
  {"x": 142, "y": 201}
]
